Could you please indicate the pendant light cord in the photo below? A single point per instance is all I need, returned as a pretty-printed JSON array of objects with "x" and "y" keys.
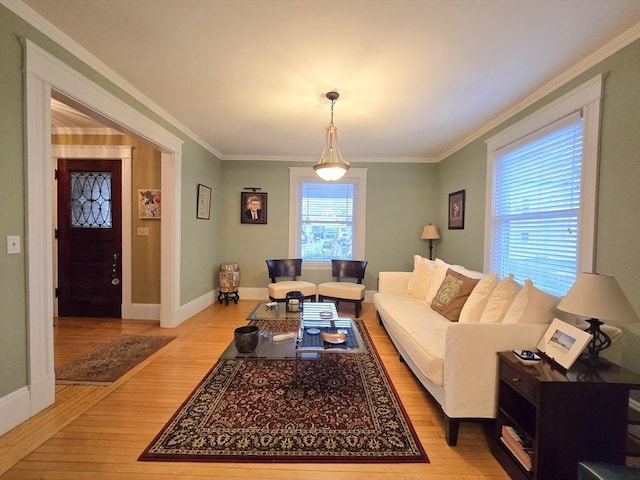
[{"x": 332, "y": 104}]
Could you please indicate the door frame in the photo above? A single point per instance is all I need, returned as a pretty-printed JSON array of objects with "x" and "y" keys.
[
  {"x": 44, "y": 75},
  {"x": 96, "y": 152}
]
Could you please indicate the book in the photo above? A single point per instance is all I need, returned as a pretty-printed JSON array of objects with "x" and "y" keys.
[
  {"x": 521, "y": 449},
  {"x": 521, "y": 456}
]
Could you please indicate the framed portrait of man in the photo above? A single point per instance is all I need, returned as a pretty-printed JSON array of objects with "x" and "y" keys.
[{"x": 253, "y": 208}]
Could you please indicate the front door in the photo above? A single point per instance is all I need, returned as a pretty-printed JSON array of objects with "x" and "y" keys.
[{"x": 89, "y": 238}]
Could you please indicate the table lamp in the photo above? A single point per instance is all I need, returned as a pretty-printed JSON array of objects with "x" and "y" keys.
[
  {"x": 597, "y": 297},
  {"x": 431, "y": 233}
]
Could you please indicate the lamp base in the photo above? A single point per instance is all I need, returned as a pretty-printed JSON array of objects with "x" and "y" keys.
[{"x": 596, "y": 362}]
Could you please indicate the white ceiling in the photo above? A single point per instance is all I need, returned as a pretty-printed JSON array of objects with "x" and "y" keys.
[{"x": 416, "y": 77}]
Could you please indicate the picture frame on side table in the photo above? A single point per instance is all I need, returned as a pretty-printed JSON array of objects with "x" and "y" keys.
[
  {"x": 253, "y": 208},
  {"x": 562, "y": 343},
  {"x": 203, "y": 209},
  {"x": 456, "y": 210}
]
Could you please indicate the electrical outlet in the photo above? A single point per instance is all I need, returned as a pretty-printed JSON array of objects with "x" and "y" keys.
[{"x": 13, "y": 244}]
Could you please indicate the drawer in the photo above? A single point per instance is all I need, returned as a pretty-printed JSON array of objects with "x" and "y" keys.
[{"x": 519, "y": 381}]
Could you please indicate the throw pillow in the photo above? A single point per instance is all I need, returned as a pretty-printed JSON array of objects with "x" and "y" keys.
[
  {"x": 500, "y": 300},
  {"x": 437, "y": 277},
  {"x": 531, "y": 305},
  {"x": 452, "y": 295},
  {"x": 420, "y": 278},
  {"x": 473, "y": 307}
]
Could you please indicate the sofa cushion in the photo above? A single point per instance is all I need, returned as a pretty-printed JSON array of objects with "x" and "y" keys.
[
  {"x": 440, "y": 268},
  {"x": 531, "y": 305},
  {"x": 500, "y": 300},
  {"x": 420, "y": 277},
  {"x": 473, "y": 307},
  {"x": 419, "y": 329},
  {"x": 452, "y": 294}
]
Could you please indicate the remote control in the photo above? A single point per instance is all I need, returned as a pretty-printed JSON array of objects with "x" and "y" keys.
[{"x": 283, "y": 336}]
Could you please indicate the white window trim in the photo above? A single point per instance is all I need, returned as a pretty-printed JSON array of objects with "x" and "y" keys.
[
  {"x": 299, "y": 175},
  {"x": 587, "y": 97}
]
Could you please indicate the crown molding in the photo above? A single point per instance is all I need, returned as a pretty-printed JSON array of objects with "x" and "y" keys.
[
  {"x": 37, "y": 21},
  {"x": 618, "y": 43}
]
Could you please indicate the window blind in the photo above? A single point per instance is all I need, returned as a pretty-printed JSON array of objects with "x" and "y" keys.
[
  {"x": 326, "y": 218},
  {"x": 536, "y": 206}
]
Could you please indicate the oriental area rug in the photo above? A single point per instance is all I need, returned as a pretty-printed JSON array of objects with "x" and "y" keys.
[
  {"x": 105, "y": 365},
  {"x": 338, "y": 408}
]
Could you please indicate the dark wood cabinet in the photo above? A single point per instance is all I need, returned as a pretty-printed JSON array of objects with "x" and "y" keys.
[{"x": 563, "y": 417}]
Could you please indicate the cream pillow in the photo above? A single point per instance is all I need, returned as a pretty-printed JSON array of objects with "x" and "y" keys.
[
  {"x": 473, "y": 308},
  {"x": 420, "y": 278},
  {"x": 437, "y": 277},
  {"x": 531, "y": 305},
  {"x": 500, "y": 300}
]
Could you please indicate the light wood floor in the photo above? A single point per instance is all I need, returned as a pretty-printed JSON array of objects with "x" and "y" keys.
[{"x": 99, "y": 432}]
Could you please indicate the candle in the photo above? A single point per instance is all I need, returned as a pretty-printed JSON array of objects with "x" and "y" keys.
[{"x": 294, "y": 304}]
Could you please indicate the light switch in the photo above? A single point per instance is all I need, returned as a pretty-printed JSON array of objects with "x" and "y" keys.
[
  {"x": 143, "y": 231},
  {"x": 13, "y": 244}
]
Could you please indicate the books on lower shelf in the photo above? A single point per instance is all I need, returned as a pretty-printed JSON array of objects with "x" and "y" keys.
[{"x": 516, "y": 445}]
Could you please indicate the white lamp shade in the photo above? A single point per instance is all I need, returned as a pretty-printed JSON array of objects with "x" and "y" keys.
[
  {"x": 598, "y": 296},
  {"x": 430, "y": 232}
]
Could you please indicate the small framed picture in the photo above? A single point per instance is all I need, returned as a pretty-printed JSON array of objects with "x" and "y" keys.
[
  {"x": 562, "y": 343},
  {"x": 253, "y": 207},
  {"x": 149, "y": 203},
  {"x": 456, "y": 210},
  {"x": 203, "y": 209}
]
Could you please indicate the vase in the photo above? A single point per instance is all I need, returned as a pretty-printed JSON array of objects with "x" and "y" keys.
[{"x": 246, "y": 338}]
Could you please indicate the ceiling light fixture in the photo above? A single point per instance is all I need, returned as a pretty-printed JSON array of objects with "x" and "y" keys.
[{"x": 331, "y": 166}]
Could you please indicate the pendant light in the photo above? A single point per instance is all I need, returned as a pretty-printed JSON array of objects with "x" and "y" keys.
[{"x": 331, "y": 166}]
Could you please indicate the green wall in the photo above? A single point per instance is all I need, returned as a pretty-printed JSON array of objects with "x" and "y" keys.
[
  {"x": 400, "y": 201},
  {"x": 401, "y": 198},
  {"x": 199, "y": 246},
  {"x": 618, "y": 217}
]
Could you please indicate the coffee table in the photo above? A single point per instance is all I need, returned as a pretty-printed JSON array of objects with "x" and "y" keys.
[{"x": 305, "y": 344}]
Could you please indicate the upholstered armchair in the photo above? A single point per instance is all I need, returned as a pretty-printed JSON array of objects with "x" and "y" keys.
[{"x": 290, "y": 269}]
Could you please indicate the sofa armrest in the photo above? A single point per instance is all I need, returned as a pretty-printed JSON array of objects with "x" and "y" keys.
[
  {"x": 393, "y": 282},
  {"x": 471, "y": 364}
]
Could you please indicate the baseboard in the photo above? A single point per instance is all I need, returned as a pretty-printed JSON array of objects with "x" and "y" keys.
[
  {"x": 198, "y": 304},
  {"x": 252, "y": 293},
  {"x": 14, "y": 409},
  {"x": 195, "y": 306},
  {"x": 143, "y": 311}
]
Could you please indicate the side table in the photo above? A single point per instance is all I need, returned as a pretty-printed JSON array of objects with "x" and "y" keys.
[{"x": 562, "y": 416}]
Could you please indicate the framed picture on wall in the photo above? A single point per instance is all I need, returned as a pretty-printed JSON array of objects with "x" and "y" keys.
[
  {"x": 203, "y": 210},
  {"x": 149, "y": 203},
  {"x": 253, "y": 207},
  {"x": 456, "y": 210}
]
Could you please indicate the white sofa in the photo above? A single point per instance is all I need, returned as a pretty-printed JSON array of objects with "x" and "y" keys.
[{"x": 456, "y": 361}]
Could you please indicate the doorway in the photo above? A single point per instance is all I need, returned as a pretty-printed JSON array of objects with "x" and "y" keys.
[
  {"x": 44, "y": 74},
  {"x": 89, "y": 234}
]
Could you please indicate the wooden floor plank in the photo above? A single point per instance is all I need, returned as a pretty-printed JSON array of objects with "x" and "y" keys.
[{"x": 99, "y": 432}]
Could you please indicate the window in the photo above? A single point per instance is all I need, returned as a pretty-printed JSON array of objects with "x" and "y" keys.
[
  {"x": 327, "y": 219},
  {"x": 542, "y": 193}
]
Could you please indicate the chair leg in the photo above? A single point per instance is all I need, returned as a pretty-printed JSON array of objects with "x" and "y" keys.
[{"x": 358, "y": 308}]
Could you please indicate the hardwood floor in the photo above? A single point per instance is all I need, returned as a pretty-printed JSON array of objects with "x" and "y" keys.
[{"x": 99, "y": 432}]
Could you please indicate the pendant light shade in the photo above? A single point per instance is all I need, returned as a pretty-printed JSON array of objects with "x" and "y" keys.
[{"x": 331, "y": 166}]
